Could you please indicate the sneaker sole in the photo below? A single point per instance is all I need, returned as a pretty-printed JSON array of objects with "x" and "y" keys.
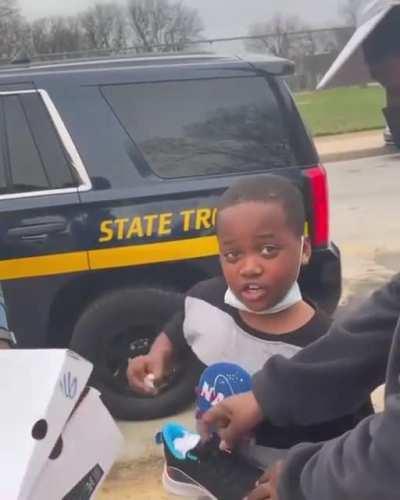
[{"x": 185, "y": 490}]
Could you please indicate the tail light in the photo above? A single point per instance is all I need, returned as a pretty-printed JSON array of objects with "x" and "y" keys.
[{"x": 318, "y": 188}]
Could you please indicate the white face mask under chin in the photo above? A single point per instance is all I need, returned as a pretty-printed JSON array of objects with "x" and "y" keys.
[{"x": 292, "y": 297}]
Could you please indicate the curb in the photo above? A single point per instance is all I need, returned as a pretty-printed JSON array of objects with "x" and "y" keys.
[{"x": 358, "y": 154}]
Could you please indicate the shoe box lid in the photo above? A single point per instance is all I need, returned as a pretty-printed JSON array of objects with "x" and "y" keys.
[
  {"x": 84, "y": 454},
  {"x": 39, "y": 390}
]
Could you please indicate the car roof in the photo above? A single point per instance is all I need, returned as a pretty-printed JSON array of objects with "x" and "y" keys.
[{"x": 268, "y": 63}]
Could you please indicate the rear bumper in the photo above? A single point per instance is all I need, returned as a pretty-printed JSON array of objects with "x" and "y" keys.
[{"x": 321, "y": 280}]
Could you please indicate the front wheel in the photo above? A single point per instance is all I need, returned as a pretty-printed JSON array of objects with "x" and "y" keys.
[{"x": 120, "y": 325}]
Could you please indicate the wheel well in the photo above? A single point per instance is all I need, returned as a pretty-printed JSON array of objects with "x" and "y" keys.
[{"x": 73, "y": 299}]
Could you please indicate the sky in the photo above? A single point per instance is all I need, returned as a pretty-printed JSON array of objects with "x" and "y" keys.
[{"x": 221, "y": 18}]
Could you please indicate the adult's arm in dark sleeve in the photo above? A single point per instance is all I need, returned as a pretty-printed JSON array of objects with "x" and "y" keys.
[
  {"x": 362, "y": 464},
  {"x": 335, "y": 375}
]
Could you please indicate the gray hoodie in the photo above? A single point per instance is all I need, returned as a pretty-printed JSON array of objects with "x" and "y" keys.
[{"x": 330, "y": 378}]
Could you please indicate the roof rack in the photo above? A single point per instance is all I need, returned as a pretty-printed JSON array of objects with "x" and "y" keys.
[
  {"x": 23, "y": 58},
  {"x": 264, "y": 63}
]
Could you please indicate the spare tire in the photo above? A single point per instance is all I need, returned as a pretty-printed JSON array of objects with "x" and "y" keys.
[{"x": 120, "y": 325}]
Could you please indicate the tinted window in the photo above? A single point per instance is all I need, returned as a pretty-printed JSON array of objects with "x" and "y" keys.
[
  {"x": 3, "y": 156},
  {"x": 32, "y": 154},
  {"x": 204, "y": 127},
  {"x": 27, "y": 171}
]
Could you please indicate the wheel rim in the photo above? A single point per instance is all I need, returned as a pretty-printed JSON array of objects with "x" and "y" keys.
[{"x": 127, "y": 344}]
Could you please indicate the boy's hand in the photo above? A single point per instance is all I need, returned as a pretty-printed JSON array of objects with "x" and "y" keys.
[
  {"x": 267, "y": 486},
  {"x": 234, "y": 418},
  {"x": 140, "y": 368}
]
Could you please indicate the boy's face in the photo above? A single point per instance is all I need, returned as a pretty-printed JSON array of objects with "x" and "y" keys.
[{"x": 259, "y": 253}]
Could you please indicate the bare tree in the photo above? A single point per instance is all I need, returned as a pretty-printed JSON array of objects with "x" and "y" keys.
[
  {"x": 12, "y": 28},
  {"x": 56, "y": 35},
  {"x": 146, "y": 23},
  {"x": 162, "y": 22},
  {"x": 104, "y": 26},
  {"x": 279, "y": 40},
  {"x": 8, "y": 9},
  {"x": 349, "y": 10}
]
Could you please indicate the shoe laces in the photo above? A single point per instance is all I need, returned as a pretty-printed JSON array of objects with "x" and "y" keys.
[{"x": 223, "y": 464}]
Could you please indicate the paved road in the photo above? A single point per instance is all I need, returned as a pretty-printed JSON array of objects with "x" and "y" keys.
[{"x": 365, "y": 215}]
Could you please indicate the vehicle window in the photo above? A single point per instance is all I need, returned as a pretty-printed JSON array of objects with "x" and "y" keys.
[
  {"x": 34, "y": 156},
  {"x": 203, "y": 127},
  {"x": 3, "y": 179}
]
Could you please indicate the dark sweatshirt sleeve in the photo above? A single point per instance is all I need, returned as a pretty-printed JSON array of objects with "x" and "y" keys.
[
  {"x": 333, "y": 376},
  {"x": 174, "y": 331},
  {"x": 362, "y": 464}
]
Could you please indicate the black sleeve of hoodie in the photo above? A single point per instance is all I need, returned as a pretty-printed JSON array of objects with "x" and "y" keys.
[
  {"x": 333, "y": 376},
  {"x": 362, "y": 464},
  {"x": 174, "y": 331}
]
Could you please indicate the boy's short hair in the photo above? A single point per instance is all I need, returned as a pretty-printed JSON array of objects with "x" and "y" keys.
[{"x": 266, "y": 189}]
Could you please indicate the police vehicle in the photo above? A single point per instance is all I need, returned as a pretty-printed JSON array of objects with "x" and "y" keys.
[{"x": 110, "y": 170}]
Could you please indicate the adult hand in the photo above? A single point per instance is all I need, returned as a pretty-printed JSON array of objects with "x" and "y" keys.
[
  {"x": 234, "y": 418},
  {"x": 267, "y": 486}
]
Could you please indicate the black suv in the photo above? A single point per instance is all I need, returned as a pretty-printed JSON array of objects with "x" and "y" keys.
[{"x": 109, "y": 176}]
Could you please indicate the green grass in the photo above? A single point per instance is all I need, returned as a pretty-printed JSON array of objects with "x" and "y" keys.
[{"x": 341, "y": 110}]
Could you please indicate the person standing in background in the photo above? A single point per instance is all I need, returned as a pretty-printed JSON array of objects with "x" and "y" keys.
[{"x": 373, "y": 53}]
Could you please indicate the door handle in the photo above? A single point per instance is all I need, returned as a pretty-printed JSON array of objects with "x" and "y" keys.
[
  {"x": 37, "y": 238},
  {"x": 37, "y": 231}
]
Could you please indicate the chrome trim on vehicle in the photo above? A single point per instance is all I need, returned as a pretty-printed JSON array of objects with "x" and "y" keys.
[
  {"x": 34, "y": 194},
  {"x": 67, "y": 141}
]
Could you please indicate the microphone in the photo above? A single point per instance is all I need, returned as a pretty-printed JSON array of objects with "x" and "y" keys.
[{"x": 218, "y": 382}]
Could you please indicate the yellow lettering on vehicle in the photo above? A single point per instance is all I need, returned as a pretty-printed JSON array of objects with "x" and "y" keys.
[
  {"x": 120, "y": 223},
  {"x": 150, "y": 219},
  {"x": 214, "y": 217},
  {"x": 135, "y": 229},
  {"x": 187, "y": 219},
  {"x": 106, "y": 231},
  {"x": 164, "y": 224},
  {"x": 203, "y": 219}
]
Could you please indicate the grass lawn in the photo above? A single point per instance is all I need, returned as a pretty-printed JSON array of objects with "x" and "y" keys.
[{"x": 341, "y": 110}]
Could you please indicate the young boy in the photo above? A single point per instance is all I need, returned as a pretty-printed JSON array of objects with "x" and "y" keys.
[{"x": 256, "y": 309}]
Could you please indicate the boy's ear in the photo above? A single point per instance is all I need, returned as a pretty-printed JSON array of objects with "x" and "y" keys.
[{"x": 306, "y": 254}]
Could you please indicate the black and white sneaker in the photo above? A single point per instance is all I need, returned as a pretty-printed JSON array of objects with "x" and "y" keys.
[{"x": 201, "y": 470}]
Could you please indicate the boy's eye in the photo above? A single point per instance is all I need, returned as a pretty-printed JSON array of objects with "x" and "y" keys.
[
  {"x": 231, "y": 256},
  {"x": 269, "y": 250}
]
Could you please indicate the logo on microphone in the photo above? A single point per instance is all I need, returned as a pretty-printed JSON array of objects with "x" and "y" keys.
[
  {"x": 219, "y": 382},
  {"x": 211, "y": 393}
]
